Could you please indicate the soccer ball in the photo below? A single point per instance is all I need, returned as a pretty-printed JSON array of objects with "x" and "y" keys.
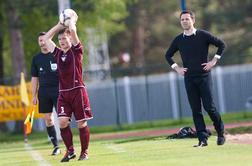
[{"x": 67, "y": 15}]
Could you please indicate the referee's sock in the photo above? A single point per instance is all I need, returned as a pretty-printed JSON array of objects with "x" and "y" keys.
[{"x": 52, "y": 135}]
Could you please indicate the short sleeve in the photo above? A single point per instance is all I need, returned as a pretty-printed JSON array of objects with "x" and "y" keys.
[
  {"x": 78, "y": 48},
  {"x": 34, "y": 69},
  {"x": 56, "y": 51}
]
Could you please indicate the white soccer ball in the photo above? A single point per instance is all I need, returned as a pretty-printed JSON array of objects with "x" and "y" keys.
[{"x": 67, "y": 15}]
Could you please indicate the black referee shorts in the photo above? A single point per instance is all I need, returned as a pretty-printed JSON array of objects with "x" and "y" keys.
[{"x": 47, "y": 97}]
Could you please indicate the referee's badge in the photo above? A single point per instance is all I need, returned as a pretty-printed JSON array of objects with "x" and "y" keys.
[{"x": 53, "y": 66}]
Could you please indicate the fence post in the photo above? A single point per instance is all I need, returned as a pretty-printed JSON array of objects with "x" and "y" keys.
[
  {"x": 220, "y": 89},
  {"x": 128, "y": 101},
  {"x": 174, "y": 95},
  {"x": 118, "y": 121}
]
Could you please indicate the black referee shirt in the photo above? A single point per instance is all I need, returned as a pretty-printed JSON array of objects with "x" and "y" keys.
[
  {"x": 44, "y": 66},
  {"x": 194, "y": 50}
]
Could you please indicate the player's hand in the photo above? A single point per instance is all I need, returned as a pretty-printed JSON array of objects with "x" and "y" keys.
[
  {"x": 180, "y": 70},
  {"x": 208, "y": 66},
  {"x": 75, "y": 16},
  {"x": 72, "y": 25},
  {"x": 34, "y": 100},
  {"x": 60, "y": 26}
]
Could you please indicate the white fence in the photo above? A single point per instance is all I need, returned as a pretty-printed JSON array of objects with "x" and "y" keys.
[{"x": 155, "y": 97}]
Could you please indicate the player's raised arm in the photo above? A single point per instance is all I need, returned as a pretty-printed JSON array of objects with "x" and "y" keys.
[
  {"x": 49, "y": 35},
  {"x": 73, "y": 31}
]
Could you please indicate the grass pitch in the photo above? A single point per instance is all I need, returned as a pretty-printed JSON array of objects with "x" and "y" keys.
[{"x": 130, "y": 152}]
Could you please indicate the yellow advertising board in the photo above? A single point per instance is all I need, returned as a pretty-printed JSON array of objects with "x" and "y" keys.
[{"x": 11, "y": 106}]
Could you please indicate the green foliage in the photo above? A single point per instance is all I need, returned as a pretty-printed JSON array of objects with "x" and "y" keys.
[
  {"x": 104, "y": 14},
  {"x": 229, "y": 20},
  {"x": 36, "y": 16},
  {"x": 38, "y": 19}
]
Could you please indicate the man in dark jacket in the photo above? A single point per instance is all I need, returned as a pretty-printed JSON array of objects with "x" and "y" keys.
[{"x": 193, "y": 45}]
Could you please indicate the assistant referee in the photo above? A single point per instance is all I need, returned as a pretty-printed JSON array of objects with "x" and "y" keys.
[
  {"x": 193, "y": 45},
  {"x": 45, "y": 84}
]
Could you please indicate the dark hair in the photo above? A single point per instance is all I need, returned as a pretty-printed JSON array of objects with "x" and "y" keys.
[
  {"x": 187, "y": 12},
  {"x": 41, "y": 34},
  {"x": 65, "y": 30}
]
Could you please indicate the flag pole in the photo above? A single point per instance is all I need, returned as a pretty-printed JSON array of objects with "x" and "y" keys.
[
  {"x": 24, "y": 101},
  {"x": 24, "y": 126}
]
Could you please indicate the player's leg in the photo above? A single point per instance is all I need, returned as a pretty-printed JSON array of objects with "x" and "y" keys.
[
  {"x": 45, "y": 107},
  {"x": 64, "y": 115},
  {"x": 84, "y": 139},
  {"x": 82, "y": 113}
]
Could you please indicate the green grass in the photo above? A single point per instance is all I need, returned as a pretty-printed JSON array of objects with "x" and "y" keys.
[
  {"x": 227, "y": 118},
  {"x": 140, "y": 151},
  {"x": 155, "y": 151}
]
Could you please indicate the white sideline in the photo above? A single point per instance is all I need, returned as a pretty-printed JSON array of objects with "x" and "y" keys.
[
  {"x": 116, "y": 149},
  {"x": 36, "y": 156}
]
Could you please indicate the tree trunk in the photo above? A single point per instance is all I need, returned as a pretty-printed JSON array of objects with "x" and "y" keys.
[
  {"x": 3, "y": 127},
  {"x": 16, "y": 42},
  {"x": 138, "y": 36},
  {"x": 221, "y": 3},
  {"x": 1, "y": 44},
  {"x": 206, "y": 17},
  {"x": 138, "y": 45},
  {"x": 16, "y": 45}
]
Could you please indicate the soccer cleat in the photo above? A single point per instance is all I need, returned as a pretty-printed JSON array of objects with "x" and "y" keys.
[
  {"x": 56, "y": 151},
  {"x": 83, "y": 157},
  {"x": 221, "y": 140},
  {"x": 201, "y": 144},
  {"x": 68, "y": 156}
]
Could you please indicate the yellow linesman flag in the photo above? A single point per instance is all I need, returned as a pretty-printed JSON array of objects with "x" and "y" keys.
[
  {"x": 23, "y": 90},
  {"x": 29, "y": 121}
]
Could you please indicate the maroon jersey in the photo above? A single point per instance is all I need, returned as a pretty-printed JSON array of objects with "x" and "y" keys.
[{"x": 70, "y": 67}]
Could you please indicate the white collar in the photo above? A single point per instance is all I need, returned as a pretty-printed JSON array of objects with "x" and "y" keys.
[{"x": 193, "y": 32}]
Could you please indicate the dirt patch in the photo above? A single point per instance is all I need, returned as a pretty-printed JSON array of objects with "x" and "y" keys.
[{"x": 240, "y": 138}]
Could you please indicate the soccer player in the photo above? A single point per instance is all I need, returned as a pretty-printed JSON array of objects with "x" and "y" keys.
[
  {"x": 45, "y": 84},
  {"x": 73, "y": 97},
  {"x": 193, "y": 46}
]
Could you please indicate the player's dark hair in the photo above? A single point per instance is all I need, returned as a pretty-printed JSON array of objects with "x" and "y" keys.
[
  {"x": 65, "y": 30},
  {"x": 41, "y": 34},
  {"x": 187, "y": 12}
]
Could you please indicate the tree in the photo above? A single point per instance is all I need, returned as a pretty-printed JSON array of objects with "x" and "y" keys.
[
  {"x": 138, "y": 26},
  {"x": 147, "y": 31},
  {"x": 102, "y": 15},
  {"x": 1, "y": 44},
  {"x": 234, "y": 20},
  {"x": 16, "y": 43},
  {"x": 16, "y": 40},
  {"x": 36, "y": 16},
  {"x": 3, "y": 126},
  {"x": 229, "y": 20},
  {"x": 27, "y": 18}
]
